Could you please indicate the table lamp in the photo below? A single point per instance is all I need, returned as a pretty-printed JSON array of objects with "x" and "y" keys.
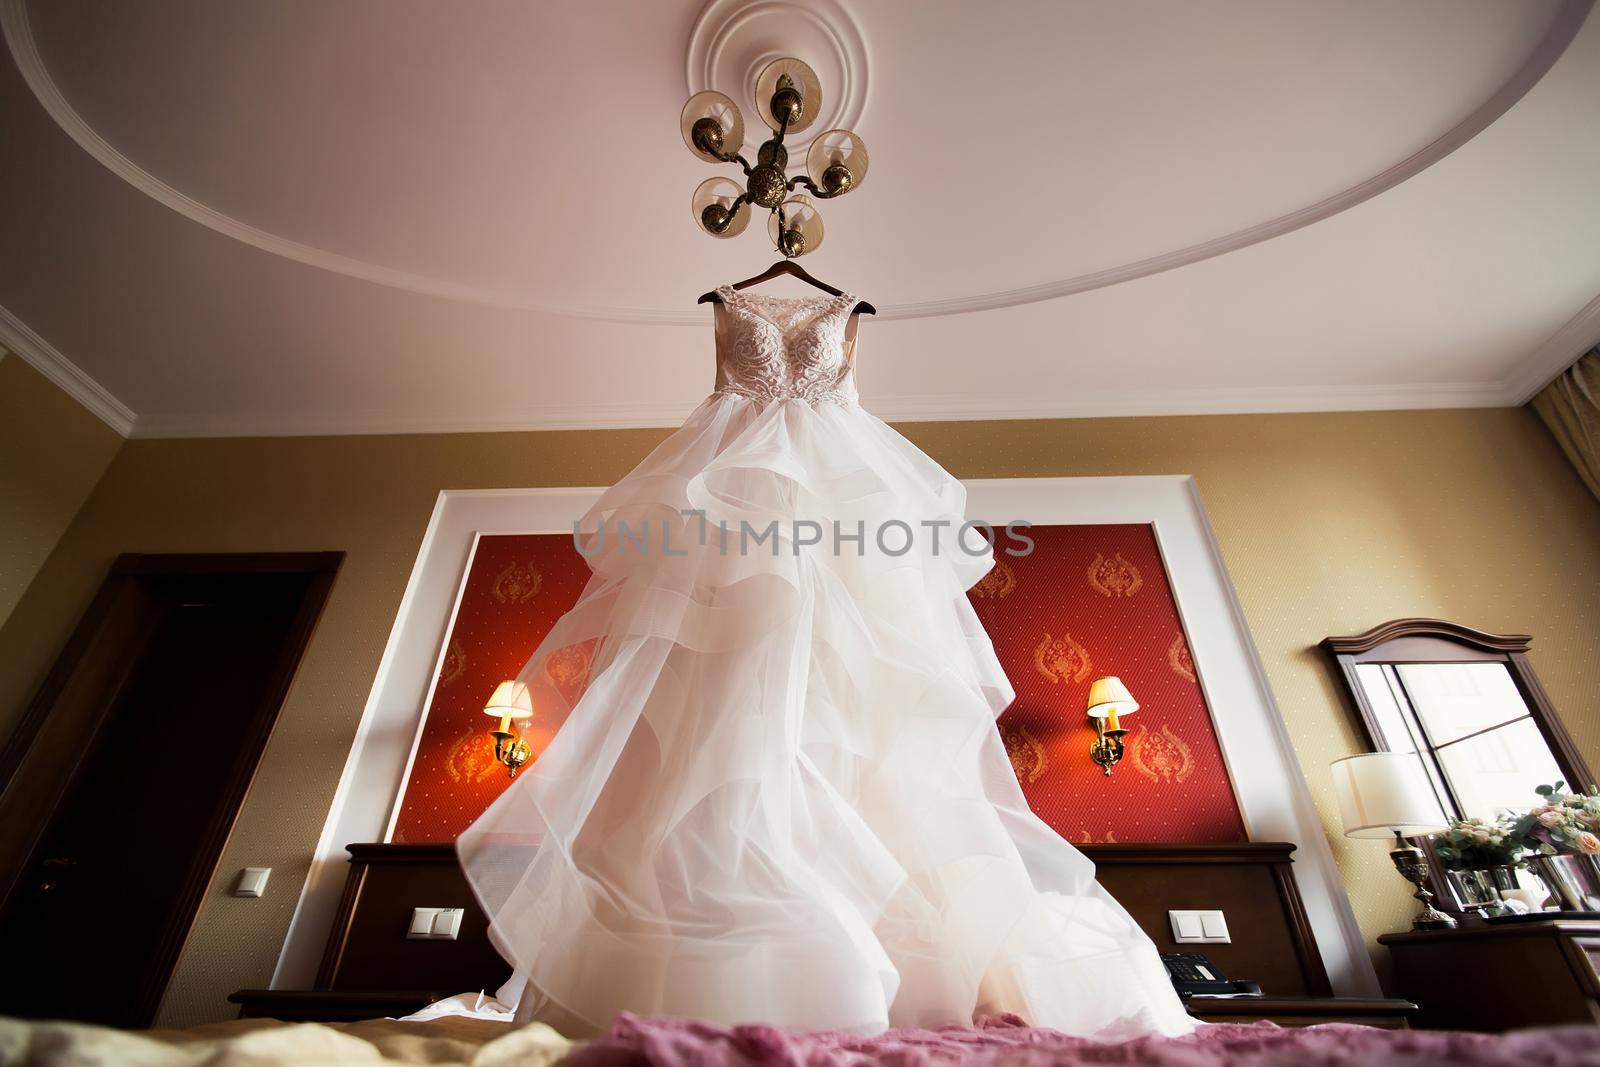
[{"x": 1383, "y": 793}]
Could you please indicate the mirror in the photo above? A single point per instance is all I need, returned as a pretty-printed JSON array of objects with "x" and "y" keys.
[{"x": 1468, "y": 703}]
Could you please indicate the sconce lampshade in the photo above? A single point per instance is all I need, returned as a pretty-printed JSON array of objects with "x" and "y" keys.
[
  {"x": 1384, "y": 793},
  {"x": 511, "y": 700},
  {"x": 1108, "y": 698}
]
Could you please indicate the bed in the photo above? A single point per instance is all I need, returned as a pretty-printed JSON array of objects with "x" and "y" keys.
[{"x": 999, "y": 1040}]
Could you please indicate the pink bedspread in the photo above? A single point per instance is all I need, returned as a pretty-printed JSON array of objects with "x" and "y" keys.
[{"x": 997, "y": 1040}]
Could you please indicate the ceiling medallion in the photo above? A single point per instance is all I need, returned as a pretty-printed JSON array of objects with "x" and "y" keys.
[{"x": 734, "y": 41}]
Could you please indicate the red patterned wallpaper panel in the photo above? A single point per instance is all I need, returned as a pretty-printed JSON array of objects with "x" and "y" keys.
[
  {"x": 1089, "y": 601},
  {"x": 517, "y": 587}
]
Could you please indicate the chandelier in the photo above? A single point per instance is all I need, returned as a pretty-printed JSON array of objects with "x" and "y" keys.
[{"x": 788, "y": 97}]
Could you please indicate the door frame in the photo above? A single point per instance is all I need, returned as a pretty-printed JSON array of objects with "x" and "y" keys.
[{"x": 42, "y": 761}]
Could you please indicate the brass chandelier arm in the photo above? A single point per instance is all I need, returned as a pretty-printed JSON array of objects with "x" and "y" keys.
[
  {"x": 816, "y": 190},
  {"x": 731, "y": 157},
  {"x": 776, "y": 140}
]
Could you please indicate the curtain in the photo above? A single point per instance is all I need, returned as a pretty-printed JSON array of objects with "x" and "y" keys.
[{"x": 1570, "y": 406}]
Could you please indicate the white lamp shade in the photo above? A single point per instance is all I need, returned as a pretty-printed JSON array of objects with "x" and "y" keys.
[
  {"x": 1383, "y": 793},
  {"x": 511, "y": 700},
  {"x": 1108, "y": 696}
]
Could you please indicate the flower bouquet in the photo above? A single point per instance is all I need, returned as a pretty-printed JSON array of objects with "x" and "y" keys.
[
  {"x": 1480, "y": 860},
  {"x": 1559, "y": 836},
  {"x": 1475, "y": 845}
]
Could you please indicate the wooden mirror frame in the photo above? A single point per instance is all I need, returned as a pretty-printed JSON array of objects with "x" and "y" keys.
[{"x": 1438, "y": 641}]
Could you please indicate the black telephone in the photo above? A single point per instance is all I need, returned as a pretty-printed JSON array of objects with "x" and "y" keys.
[{"x": 1193, "y": 975}]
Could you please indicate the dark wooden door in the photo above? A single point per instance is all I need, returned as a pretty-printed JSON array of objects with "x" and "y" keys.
[{"x": 116, "y": 870}]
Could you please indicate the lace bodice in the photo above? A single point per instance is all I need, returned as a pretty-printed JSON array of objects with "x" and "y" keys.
[{"x": 778, "y": 348}]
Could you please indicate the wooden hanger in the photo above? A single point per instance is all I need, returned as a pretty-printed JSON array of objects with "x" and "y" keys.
[{"x": 794, "y": 270}]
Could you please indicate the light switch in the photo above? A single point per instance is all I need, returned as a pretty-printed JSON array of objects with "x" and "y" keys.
[
  {"x": 447, "y": 924},
  {"x": 252, "y": 881},
  {"x": 435, "y": 924},
  {"x": 1186, "y": 926},
  {"x": 1199, "y": 928}
]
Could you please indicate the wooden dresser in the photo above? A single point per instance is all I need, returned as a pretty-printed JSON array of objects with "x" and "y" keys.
[{"x": 1500, "y": 976}]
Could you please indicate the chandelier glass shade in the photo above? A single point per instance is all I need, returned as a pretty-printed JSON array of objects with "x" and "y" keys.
[
  {"x": 796, "y": 227},
  {"x": 712, "y": 125},
  {"x": 719, "y": 207},
  {"x": 837, "y": 161},
  {"x": 789, "y": 98},
  {"x": 788, "y": 95}
]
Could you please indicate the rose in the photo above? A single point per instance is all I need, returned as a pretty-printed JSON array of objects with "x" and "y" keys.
[
  {"x": 1550, "y": 818},
  {"x": 1588, "y": 843}
]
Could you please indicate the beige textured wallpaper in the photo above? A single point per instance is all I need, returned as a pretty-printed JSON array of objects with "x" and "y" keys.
[
  {"x": 52, "y": 452},
  {"x": 1329, "y": 524}
]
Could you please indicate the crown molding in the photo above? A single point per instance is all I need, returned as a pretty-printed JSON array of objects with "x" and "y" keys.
[
  {"x": 949, "y": 408},
  {"x": 1550, "y": 359},
  {"x": 1258, "y": 400},
  {"x": 24, "y": 50},
  {"x": 1563, "y": 348},
  {"x": 596, "y": 416},
  {"x": 18, "y": 338}
]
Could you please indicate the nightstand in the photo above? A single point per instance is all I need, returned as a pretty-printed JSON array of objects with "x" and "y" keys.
[
  {"x": 1383, "y": 1013},
  {"x": 1502, "y": 975},
  {"x": 329, "y": 1006}
]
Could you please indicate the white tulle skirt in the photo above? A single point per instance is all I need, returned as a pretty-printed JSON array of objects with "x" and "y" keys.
[{"x": 777, "y": 793}]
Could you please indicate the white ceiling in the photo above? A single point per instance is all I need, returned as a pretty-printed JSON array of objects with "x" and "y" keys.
[{"x": 375, "y": 216}]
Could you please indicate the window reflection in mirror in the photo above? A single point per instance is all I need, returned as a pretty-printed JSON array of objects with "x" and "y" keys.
[{"x": 1477, "y": 736}]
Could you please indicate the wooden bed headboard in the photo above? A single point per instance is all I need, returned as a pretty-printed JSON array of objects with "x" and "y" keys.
[{"x": 1252, "y": 884}]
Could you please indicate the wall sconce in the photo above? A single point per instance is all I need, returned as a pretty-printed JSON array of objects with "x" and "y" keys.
[
  {"x": 1108, "y": 698},
  {"x": 511, "y": 701}
]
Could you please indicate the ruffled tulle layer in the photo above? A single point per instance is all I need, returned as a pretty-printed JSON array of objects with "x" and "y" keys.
[{"x": 775, "y": 791}]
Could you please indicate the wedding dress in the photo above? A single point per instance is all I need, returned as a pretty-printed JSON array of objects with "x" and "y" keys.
[{"x": 777, "y": 793}]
